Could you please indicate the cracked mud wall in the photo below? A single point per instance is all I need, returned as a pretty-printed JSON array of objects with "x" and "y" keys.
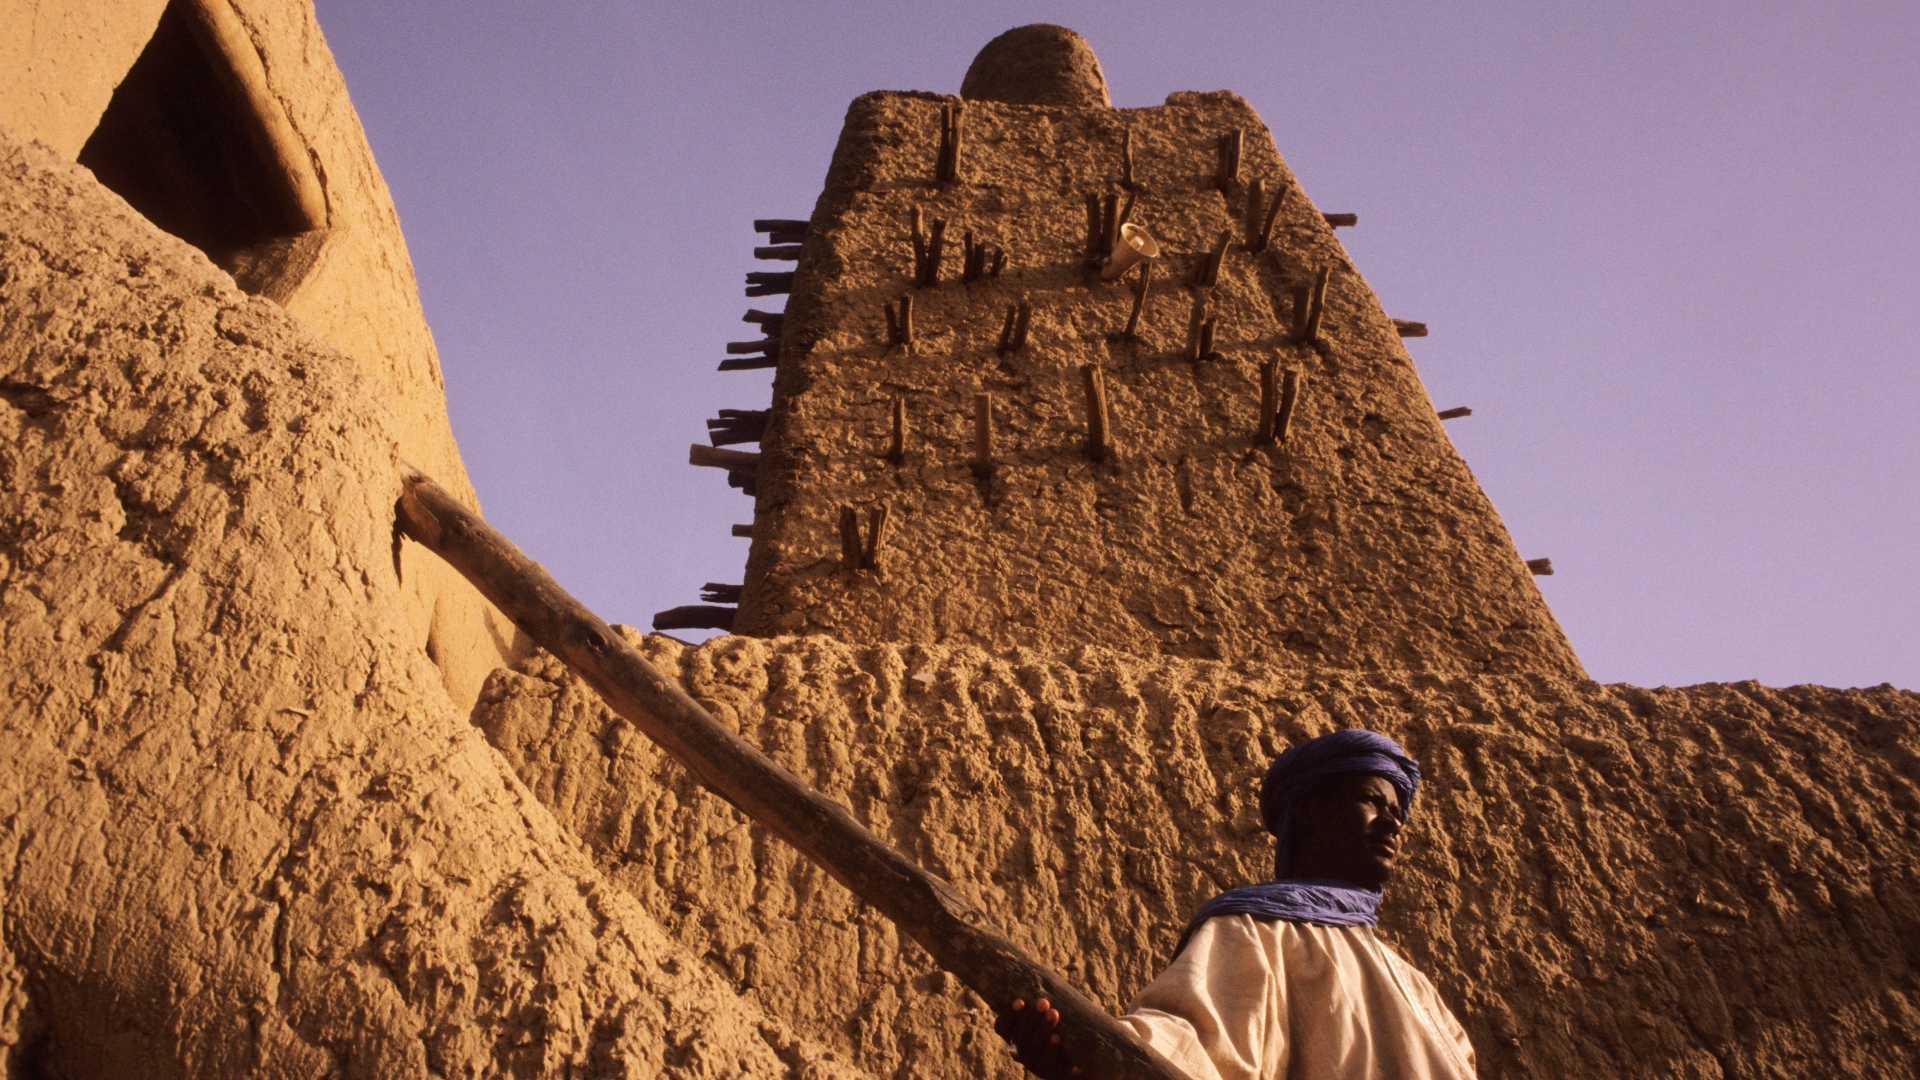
[
  {"x": 244, "y": 829},
  {"x": 64, "y": 62},
  {"x": 1604, "y": 881},
  {"x": 1362, "y": 542}
]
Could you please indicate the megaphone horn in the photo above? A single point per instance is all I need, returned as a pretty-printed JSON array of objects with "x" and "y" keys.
[{"x": 1131, "y": 246}]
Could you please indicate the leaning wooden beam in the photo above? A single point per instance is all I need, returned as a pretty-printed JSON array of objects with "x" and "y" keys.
[
  {"x": 849, "y": 537},
  {"x": 1269, "y": 403},
  {"x": 1289, "y": 400},
  {"x": 960, "y": 937},
  {"x": 1140, "y": 298},
  {"x": 1316, "y": 306}
]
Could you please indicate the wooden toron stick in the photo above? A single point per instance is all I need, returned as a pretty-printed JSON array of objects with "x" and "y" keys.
[
  {"x": 897, "y": 453},
  {"x": 1140, "y": 298},
  {"x": 983, "y": 434},
  {"x": 1269, "y": 403},
  {"x": 1195, "y": 323},
  {"x": 1316, "y": 305},
  {"x": 1256, "y": 202},
  {"x": 1289, "y": 397},
  {"x": 850, "y": 553},
  {"x": 1099, "y": 441},
  {"x": 959, "y": 936},
  {"x": 877, "y": 518},
  {"x": 1126, "y": 160},
  {"x": 1266, "y": 227}
]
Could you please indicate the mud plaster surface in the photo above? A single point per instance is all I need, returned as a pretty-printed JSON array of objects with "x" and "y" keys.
[
  {"x": 60, "y": 61},
  {"x": 1363, "y": 543},
  {"x": 1604, "y": 881},
  {"x": 244, "y": 830}
]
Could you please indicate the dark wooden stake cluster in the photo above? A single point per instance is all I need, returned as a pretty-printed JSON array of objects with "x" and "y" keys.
[
  {"x": 959, "y": 936},
  {"x": 1260, "y": 220},
  {"x": 927, "y": 249},
  {"x": 946, "y": 168},
  {"x": 1207, "y": 273},
  {"x": 980, "y": 260},
  {"x": 900, "y": 321},
  {"x": 1309, "y": 305},
  {"x": 1013, "y": 334},
  {"x": 1227, "y": 170},
  {"x": 735, "y": 426}
]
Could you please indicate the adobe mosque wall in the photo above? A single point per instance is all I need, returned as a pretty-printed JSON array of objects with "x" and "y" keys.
[
  {"x": 348, "y": 277},
  {"x": 254, "y": 829}
]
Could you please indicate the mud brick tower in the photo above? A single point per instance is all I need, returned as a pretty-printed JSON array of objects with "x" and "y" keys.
[{"x": 1355, "y": 538}]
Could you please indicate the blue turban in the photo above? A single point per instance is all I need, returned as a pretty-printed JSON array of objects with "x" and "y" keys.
[
  {"x": 1301, "y": 769},
  {"x": 1294, "y": 774}
]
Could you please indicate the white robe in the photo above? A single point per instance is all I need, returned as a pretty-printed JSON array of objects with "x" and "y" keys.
[{"x": 1253, "y": 999}]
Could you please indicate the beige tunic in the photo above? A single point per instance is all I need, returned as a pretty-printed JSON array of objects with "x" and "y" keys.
[{"x": 1252, "y": 999}]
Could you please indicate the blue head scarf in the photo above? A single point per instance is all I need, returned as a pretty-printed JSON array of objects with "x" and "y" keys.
[{"x": 1294, "y": 774}]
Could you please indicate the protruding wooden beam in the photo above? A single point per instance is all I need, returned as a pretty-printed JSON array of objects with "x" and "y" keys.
[
  {"x": 1289, "y": 400},
  {"x": 946, "y": 167},
  {"x": 749, "y": 363},
  {"x": 900, "y": 321},
  {"x": 745, "y": 531},
  {"x": 897, "y": 451},
  {"x": 770, "y": 225},
  {"x": 1013, "y": 334},
  {"x": 1316, "y": 306},
  {"x": 1099, "y": 438},
  {"x": 779, "y": 252},
  {"x": 927, "y": 252},
  {"x": 1455, "y": 414},
  {"x": 1540, "y": 567},
  {"x": 983, "y": 434},
  {"x": 737, "y": 426},
  {"x": 1342, "y": 220},
  {"x": 1406, "y": 328},
  {"x": 771, "y": 322},
  {"x": 770, "y": 345},
  {"x": 714, "y": 592},
  {"x": 1140, "y": 298},
  {"x": 1227, "y": 171},
  {"x": 850, "y": 553},
  {"x": 877, "y": 518},
  {"x": 1196, "y": 322},
  {"x": 1207, "y": 274},
  {"x": 734, "y": 461},
  {"x": 695, "y": 617},
  {"x": 1265, "y": 434},
  {"x": 769, "y": 283},
  {"x": 1258, "y": 240},
  {"x": 787, "y": 237}
]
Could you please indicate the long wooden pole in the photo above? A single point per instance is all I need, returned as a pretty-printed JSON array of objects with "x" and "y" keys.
[{"x": 960, "y": 937}]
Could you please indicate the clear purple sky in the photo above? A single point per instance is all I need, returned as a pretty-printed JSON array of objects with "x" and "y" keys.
[{"x": 1670, "y": 255}]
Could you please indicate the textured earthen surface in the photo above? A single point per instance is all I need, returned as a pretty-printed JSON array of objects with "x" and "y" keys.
[
  {"x": 1361, "y": 543},
  {"x": 1603, "y": 881},
  {"x": 64, "y": 61},
  {"x": 1037, "y": 64},
  {"x": 246, "y": 832}
]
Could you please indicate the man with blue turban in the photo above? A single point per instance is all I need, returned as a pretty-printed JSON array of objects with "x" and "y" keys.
[{"x": 1286, "y": 980}]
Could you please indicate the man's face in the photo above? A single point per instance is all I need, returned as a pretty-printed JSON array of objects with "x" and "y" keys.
[{"x": 1351, "y": 832}]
